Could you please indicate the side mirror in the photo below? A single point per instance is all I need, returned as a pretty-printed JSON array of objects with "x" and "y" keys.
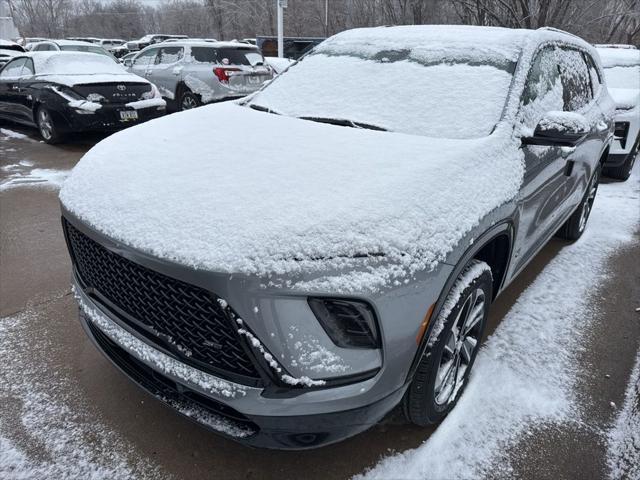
[
  {"x": 559, "y": 129},
  {"x": 127, "y": 62}
]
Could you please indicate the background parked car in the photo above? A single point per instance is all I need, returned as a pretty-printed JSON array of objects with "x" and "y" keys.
[
  {"x": 277, "y": 64},
  {"x": 69, "y": 46},
  {"x": 61, "y": 92},
  {"x": 85, "y": 39},
  {"x": 8, "y": 50},
  {"x": 150, "y": 40},
  {"x": 622, "y": 72},
  {"x": 110, "y": 44},
  {"x": 189, "y": 74}
]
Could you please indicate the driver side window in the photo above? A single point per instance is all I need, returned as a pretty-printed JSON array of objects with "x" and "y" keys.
[{"x": 543, "y": 91}]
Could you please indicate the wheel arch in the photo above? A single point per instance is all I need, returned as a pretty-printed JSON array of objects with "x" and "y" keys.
[{"x": 494, "y": 246}]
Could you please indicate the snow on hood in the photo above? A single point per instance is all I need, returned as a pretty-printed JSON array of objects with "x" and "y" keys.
[
  {"x": 625, "y": 98},
  {"x": 229, "y": 189}
]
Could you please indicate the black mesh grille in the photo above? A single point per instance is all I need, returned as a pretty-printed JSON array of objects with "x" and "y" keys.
[{"x": 185, "y": 319}]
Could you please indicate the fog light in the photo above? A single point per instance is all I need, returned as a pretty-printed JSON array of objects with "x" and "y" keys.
[{"x": 349, "y": 323}]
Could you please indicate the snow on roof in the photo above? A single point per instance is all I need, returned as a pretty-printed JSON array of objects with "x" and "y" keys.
[
  {"x": 619, "y": 57},
  {"x": 273, "y": 195},
  {"x": 65, "y": 63},
  {"x": 74, "y": 42}
]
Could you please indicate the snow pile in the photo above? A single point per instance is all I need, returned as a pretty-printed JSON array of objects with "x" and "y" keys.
[
  {"x": 43, "y": 434},
  {"x": 525, "y": 374},
  {"x": 11, "y": 134},
  {"x": 623, "y": 454},
  {"x": 561, "y": 121},
  {"x": 22, "y": 175},
  {"x": 256, "y": 202}
]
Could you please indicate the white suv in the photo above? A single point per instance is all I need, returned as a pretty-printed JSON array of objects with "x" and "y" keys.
[{"x": 622, "y": 73}]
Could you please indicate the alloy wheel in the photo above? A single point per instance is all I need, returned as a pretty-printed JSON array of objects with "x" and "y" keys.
[
  {"x": 588, "y": 202},
  {"x": 462, "y": 341},
  {"x": 188, "y": 102},
  {"x": 45, "y": 124}
]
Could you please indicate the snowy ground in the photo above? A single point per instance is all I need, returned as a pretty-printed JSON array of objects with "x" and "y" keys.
[
  {"x": 624, "y": 437},
  {"x": 525, "y": 375}
]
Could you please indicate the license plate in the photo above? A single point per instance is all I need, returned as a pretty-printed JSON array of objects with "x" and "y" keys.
[
  {"x": 253, "y": 80},
  {"x": 128, "y": 115}
]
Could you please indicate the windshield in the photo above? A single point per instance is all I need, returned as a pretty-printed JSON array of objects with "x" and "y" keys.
[
  {"x": 83, "y": 48},
  {"x": 435, "y": 93},
  {"x": 623, "y": 77}
]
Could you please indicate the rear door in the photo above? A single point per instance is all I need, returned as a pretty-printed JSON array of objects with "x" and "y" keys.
[
  {"x": 142, "y": 62},
  {"x": 167, "y": 69}
]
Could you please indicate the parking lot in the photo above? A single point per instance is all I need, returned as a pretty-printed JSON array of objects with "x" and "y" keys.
[{"x": 70, "y": 412}]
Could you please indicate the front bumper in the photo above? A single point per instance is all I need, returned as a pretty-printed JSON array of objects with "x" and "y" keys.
[
  {"x": 107, "y": 118},
  {"x": 185, "y": 390}
]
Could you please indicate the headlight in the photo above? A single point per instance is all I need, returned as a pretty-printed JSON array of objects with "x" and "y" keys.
[
  {"x": 349, "y": 323},
  {"x": 153, "y": 93}
]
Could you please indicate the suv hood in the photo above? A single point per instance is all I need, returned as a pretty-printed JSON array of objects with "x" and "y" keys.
[
  {"x": 229, "y": 189},
  {"x": 625, "y": 98}
]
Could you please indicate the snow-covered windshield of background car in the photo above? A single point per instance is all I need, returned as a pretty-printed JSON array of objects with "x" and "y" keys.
[
  {"x": 621, "y": 67},
  {"x": 76, "y": 63},
  {"x": 422, "y": 91},
  {"x": 83, "y": 48},
  {"x": 623, "y": 77}
]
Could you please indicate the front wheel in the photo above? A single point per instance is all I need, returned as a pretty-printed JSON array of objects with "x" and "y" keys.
[
  {"x": 574, "y": 227},
  {"x": 452, "y": 347},
  {"x": 47, "y": 127}
]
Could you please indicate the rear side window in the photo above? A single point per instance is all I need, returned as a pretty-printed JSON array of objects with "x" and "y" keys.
[
  {"x": 576, "y": 79},
  {"x": 594, "y": 74},
  {"x": 169, "y": 55},
  {"x": 45, "y": 47},
  {"x": 204, "y": 54},
  {"x": 239, "y": 56}
]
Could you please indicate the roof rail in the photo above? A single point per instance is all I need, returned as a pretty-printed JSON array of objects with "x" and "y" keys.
[{"x": 553, "y": 29}]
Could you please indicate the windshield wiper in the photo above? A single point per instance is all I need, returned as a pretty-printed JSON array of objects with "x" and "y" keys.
[
  {"x": 260, "y": 108},
  {"x": 344, "y": 123}
]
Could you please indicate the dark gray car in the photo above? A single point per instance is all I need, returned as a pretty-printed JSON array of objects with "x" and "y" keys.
[
  {"x": 331, "y": 248},
  {"x": 191, "y": 73}
]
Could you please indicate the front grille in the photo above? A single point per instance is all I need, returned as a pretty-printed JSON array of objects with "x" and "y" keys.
[
  {"x": 166, "y": 390},
  {"x": 182, "y": 318},
  {"x": 114, "y": 92}
]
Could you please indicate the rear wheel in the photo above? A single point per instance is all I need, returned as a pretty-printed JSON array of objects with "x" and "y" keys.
[
  {"x": 47, "y": 126},
  {"x": 189, "y": 100},
  {"x": 445, "y": 366},
  {"x": 574, "y": 227}
]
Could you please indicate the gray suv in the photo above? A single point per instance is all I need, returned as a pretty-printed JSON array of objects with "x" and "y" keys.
[
  {"x": 191, "y": 73},
  {"x": 333, "y": 250}
]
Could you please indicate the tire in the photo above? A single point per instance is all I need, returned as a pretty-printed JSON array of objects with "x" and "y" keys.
[
  {"x": 623, "y": 172},
  {"x": 47, "y": 126},
  {"x": 189, "y": 100},
  {"x": 575, "y": 226},
  {"x": 432, "y": 393}
]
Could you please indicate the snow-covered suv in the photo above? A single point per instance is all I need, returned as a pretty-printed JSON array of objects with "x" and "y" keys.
[
  {"x": 622, "y": 73},
  {"x": 288, "y": 268}
]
